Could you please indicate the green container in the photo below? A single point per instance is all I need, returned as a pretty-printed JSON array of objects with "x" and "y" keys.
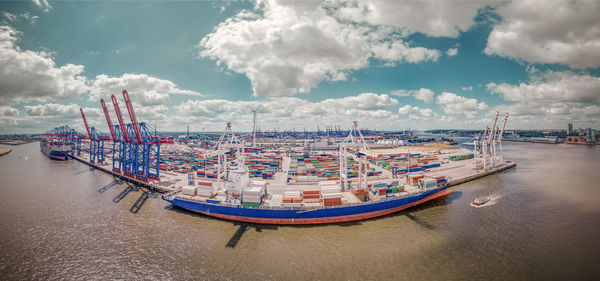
[
  {"x": 251, "y": 204},
  {"x": 394, "y": 190}
]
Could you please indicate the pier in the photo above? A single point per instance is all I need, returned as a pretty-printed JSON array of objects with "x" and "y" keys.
[{"x": 153, "y": 185}]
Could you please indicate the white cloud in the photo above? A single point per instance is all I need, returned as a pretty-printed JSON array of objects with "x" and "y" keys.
[
  {"x": 422, "y": 94},
  {"x": 293, "y": 112},
  {"x": 551, "y": 98},
  {"x": 425, "y": 95},
  {"x": 467, "y": 88},
  {"x": 416, "y": 113},
  {"x": 452, "y": 52},
  {"x": 43, "y": 4},
  {"x": 7, "y": 111},
  {"x": 399, "y": 51},
  {"x": 563, "y": 32},
  {"x": 364, "y": 101},
  {"x": 210, "y": 108},
  {"x": 433, "y": 18},
  {"x": 286, "y": 48},
  {"x": 61, "y": 110},
  {"x": 33, "y": 76},
  {"x": 551, "y": 87},
  {"x": 147, "y": 90},
  {"x": 17, "y": 17},
  {"x": 454, "y": 104}
]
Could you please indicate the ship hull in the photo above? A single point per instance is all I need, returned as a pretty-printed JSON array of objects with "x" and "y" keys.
[
  {"x": 54, "y": 154},
  {"x": 311, "y": 216}
]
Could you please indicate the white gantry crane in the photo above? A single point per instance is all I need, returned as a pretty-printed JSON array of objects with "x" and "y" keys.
[
  {"x": 227, "y": 144},
  {"x": 254, "y": 110},
  {"x": 356, "y": 144},
  {"x": 485, "y": 154}
]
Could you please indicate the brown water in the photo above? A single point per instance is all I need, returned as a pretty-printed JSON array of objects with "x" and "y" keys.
[{"x": 543, "y": 225}]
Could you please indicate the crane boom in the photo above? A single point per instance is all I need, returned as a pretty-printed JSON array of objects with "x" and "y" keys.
[
  {"x": 85, "y": 122},
  {"x": 490, "y": 136},
  {"x": 120, "y": 118},
  {"x": 134, "y": 123},
  {"x": 110, "y": 126},
  {"x": 503, "y": 125}
]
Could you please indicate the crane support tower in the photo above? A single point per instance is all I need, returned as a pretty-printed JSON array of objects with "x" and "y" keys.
[
  {"x": 354, "y": 143},
  {"x": 486, "y": 156}
]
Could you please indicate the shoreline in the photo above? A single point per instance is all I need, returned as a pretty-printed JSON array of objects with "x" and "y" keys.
[{"x": 4, "y": 151}]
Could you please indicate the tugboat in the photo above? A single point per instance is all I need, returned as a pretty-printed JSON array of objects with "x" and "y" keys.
[{"x": 480, "y": 201}]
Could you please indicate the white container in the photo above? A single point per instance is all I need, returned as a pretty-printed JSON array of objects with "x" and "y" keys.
[
  {"x": 292, "y": 204},
  {"x": 292, "y": 193},
  {"x": 189, "y": 190},
  {"x": 327, "y": 183},
  {"x": 254, "y": 190},
  {"x": 332, "y": 195},
  {"x": 255, "y": 199},
  {"x": 314, "y": 200},
  {"x": 330, "y": 189}
]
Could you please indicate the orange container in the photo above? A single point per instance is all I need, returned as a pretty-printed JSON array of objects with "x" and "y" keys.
[
  {"x": 361, "y": 192},
  {"x": 311, "y": 196}
]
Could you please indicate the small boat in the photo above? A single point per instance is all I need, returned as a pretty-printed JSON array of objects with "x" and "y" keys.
[{"x": 480, "y": 201}]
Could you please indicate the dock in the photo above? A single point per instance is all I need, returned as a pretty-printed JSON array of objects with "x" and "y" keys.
[
  {"x": 153, "y": 185},
  {"x": 459, "y": 172}
]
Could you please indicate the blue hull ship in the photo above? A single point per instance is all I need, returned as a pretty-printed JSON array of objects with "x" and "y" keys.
[{"x": 303, "y": 215}]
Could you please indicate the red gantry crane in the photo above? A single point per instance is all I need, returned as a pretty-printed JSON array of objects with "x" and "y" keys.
[
  {"x": 110, "y": 125},
  {"x": 120, "y": 118},
  {"x": 134, "y": 123}
]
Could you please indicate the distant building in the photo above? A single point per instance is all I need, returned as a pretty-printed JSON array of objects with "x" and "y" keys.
[
  {"x": 594, "y": 136},
  {"x": 570, "y": 129},
  {"x": 588, "y": 134}
]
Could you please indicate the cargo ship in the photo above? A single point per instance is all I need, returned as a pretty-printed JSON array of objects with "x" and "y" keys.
[
  {"x": 242, "y": 200},
  {"x": 54, "y": 149}
]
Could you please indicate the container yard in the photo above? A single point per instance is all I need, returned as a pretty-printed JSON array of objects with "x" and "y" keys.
[{"x": 281, "y": 182}]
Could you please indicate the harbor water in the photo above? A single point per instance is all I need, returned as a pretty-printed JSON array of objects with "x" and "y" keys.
[{"x": 61, "y": 220}]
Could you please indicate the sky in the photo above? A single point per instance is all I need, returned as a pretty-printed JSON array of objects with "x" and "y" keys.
[{"x": 390, "y": 65}]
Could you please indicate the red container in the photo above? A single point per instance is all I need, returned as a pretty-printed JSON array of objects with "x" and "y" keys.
[
  {"x": 204, "y": 183},
  {"x": 305, "y": 192},
  {"x": 361, "y": 192}
]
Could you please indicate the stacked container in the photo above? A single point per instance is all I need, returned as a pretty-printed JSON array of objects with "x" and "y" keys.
[
  {"x": 292, "y": 198},
  {"x": 188, "y": 190},
  {"x": 460, "y": 157},
  {"x": 330, "y": 192},
  {"x": 427, "y": 182},
  {"x": 311, "y": 196},
  {"x": 413, "y": 179},
  {"x": 205, "y": 189},
  {"x": 252, "y": 196},
  {"x": 275, "y": 200}
]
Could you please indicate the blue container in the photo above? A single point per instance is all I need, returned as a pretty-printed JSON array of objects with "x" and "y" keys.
[{"x": 213, "y": 201}]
